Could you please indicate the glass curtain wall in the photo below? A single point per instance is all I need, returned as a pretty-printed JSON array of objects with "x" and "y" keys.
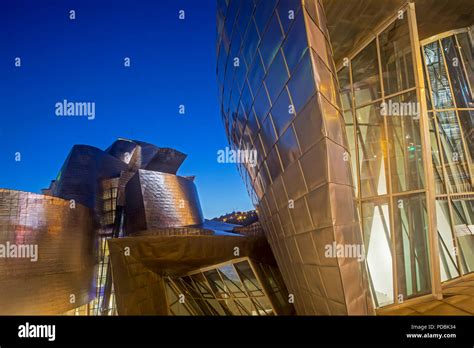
[
  {"x": 382, "y": 116},
  {"x": 449, "y": 64},
  {"x": 104, "y": 302},
  {"x": 238, "y": 287}
]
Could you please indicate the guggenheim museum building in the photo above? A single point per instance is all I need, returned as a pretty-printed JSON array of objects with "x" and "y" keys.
[
  {"x": 361, "y": 113},
  {"x": 118, "y": 232}
]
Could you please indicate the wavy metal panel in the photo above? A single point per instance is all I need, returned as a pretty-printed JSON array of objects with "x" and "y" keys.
[
  {"x": 65, "y": 238},
  {"x": 155, "y": 200},
  {"x": 301, "y": 185},
  {"x": 138, "y": 276},
  {"x": 150, "y": 157},
  {"x": 82, "y": 172}
]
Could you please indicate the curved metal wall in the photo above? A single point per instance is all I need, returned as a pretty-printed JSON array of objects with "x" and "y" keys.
[
  {"x": 65, "y": 240},
  {"x": 155, "y": 200},
  {"x": 280, "y": 97},
  {"x": 150, "y": 157},
  {"x": 82, "y": 172}
]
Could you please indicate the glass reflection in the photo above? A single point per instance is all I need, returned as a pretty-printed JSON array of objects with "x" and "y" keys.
[
  {"x": 372, "y": 151},
  {"x": 447, "y": 247},
  {"x": 232, "y": 288},
  {"x": 411, "y": 246},
  {"x": 377, "y": 240},
  {"x": 365, "y": 75},
  {"x": 277, "y": 77},
  {"x": 396, "y": 59},
  {"x": 459, "y": 83},
  {"x": 405, "y": 144},
  {"x": 463, "y": 215},
  {"x": 295, "y": 44},
  {"x": 441, "y": 93},
  {"x": 271, "y": 41}
]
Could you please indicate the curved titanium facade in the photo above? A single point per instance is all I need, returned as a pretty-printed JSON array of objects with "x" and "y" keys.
[
  {"x": 82, "y": 172},
  {"x": 148, "y": 157},
  {"x": 280, "y": 97},
  {"x": 139, "y": 278},
  {"x": 413, "y": 163},
  {"x": 65, "y": 240},
  {"x": 157, "y": 200}
]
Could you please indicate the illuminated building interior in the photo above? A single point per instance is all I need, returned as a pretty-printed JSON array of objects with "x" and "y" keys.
[
  {"x": 361, "y": 117},
  {"x": 363, "y": 130},
  {"x": 136, "y": 227},
  {"x": 232, "y": 288}
]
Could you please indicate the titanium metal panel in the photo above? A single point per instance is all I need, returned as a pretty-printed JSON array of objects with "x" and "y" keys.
[
  {"x": 302, "y": 184},
  {"x": 138, "y": 276},
  {"x": 166, "y": 160},
  {"x": 433, "y": 17},
  {"x": 122, "y": 149},
  {"x": 155, "y": 199},
  {"x": 150, "y": 157},
  {"x": 66, "y": 242},
  {"x": 82, "y": 173}
]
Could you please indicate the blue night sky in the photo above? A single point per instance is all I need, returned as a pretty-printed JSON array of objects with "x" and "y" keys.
[{"x": 172, "y": 63}]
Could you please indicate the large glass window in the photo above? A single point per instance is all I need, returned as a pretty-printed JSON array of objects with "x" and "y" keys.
[
  {"x": 238, "y": 287},
  {"x": 406, "y": 156},
  {"x": 382, "y": 118},
  {"x": 448, "y": 71},
  {"x": 466, "y": 47},
  {"x": 372, "y": 151},
  {"x": 453, "y": 153},
  {"x": 396, "y": 57},
  {"x": 447, "y": 247},
  {"x": 378, "y": 250},
  {"x": 437, "y": 77},
  {"x": 438, "y": 168},
  {"x": 411, "y": 246},
  {"x": 365, "y": 75},
  {"x": 454, "y": 64},
  {"x": 463, "y": 216},
  {"x": 448, "y": 77}
]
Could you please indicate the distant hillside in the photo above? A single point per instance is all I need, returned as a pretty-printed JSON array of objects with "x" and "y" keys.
[{"x": 239, "y": 218}]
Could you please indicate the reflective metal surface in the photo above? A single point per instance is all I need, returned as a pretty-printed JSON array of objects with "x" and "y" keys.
[
  {"x": 62, "y": 277},
  {"x": 130, "y": 175},
  {"x": 282, "y": 100},
  {"x": 155, "y": 200},
  {"x": 140, "y": 264},
  {"x": 82, "y": 172},
  {"x": 451, "y": 116}
]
